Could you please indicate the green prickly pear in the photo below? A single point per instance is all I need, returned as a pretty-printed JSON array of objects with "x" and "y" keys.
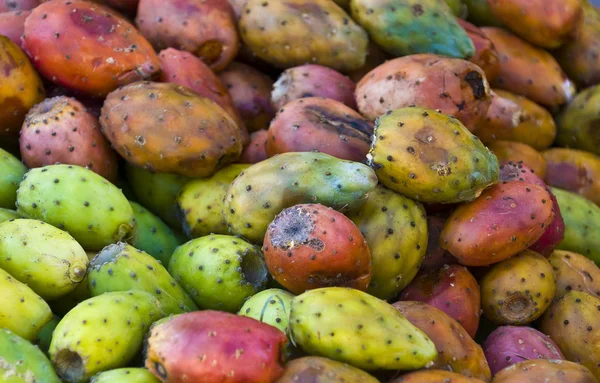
[
  {"x": 577, "y": 123},
  {"x": 6, "y": 214},
  {"x": 265, "y": 189},
  {"x": 21, "y": 310},
  {"x": 78, "y": 201},
  {"x": 47, "y": 259},
  {"x": 395, "y": 229},
  {"x": 44, "y": 337},
  {"x": 102, "y": 333},
  {"x": 122, "y": 267},
  {"x": 125, "y": 375},
  {"x": 23, "y": 362},
  {"x": 11, "y": 173},
  {"x": 270, "y": 306},
  {"x": 351, "y": 326},
  {"x": 64, "y": 304},
  {"x": 219, "y": 272}
]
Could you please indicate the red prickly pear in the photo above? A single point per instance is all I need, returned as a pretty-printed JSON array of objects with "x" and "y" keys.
[
  {"x": 17, "y": 5},
  {"x": 486, "y": 56},
  {"x": 12, "y": 25},
  {"x": 213, "y": 346},
  {"x": 256, "y": 150}
]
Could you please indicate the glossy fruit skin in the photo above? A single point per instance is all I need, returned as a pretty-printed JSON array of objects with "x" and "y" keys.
[
  {"x": 87, "y": 47},
  {"x": 520, "y": 154},
  {"x": 574, "y": 170},
  {"x": 205, "y": 28},
  {"x": 457, "y": 87},
  {"x": 435, "y": 376},
  {"x": 545, "y": 371},
  {"x": 159, "y": 136},
  {"x": 11, "y": 174},
  {"x": 125, "y": 375},
  {"x": 60, "y": 129},
  {"x": 315, "y": 369},
  {"x": 486, "y": 56},
  {"x": 12, "y": 24},
  {"x": 256, "y": 150},
  {"x": 430, "y": 157},
  {"x": 271, "y": 306},
  {"x": 577, "y": 122},
  {"x": 316, "y": 124},
  {"x": 505, "y": 220},
  {"x": 248, "y": 348},
  {"x": 325, "y": 36},
  {"x": 573, "y": 271}
]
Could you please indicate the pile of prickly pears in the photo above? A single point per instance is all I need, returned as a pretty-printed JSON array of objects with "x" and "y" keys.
[{"x": 300, "y": 191}]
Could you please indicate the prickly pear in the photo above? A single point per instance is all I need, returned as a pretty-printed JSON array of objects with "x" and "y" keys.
[
  {"x": 436, "y": 257},
  {"x": 256, "y": 150},
  {"x": 18, "y": 5},
  {"x": 486, "y": 56},
  {"x": 577, "y": 122},
  {"x": 435, "y": 376},
  {"x": 44, "y": 337},
  {"x": 11, "y": 173},
  {"x": 545, "y": 371},
  {"x": 12, "y": 24},
  {"x": 6, "y": 215},
  {"x": 574, "y": 170},
  {"x": 270, "y": 306},
  {"x": 125, "y": 375},
  {"x": 519, "y": 153},
  {"x": 573, "y": 271},
  {"x": 315, "y": 369}
]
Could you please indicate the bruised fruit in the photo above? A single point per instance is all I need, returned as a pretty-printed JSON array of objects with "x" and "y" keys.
[
  {"x": 312, "y": 246},
  {"x": 270, "y": 306},
  {"x": 485, "y": 56},
  {"x": 315, "y": 369},
  {"x": 12, "y": 24},
  {"x": 87, "y": 47},
  {"x": 435, "y": 376},
  {"x": 213, "y": 346},
  {"x": 323, "y": 125},
  {"x": 574, "y": 170},
  {"x": 545, "y": 371},
  {"x": 519, "y": 153},
  {"x": 578, "y": 122},
  {"x": 574, "y": 271},
  {"x": 11, "y": 174},
  {"x": 256, "y": 150}
]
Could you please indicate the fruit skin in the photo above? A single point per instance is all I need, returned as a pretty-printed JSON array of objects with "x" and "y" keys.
[
  {"x": 390, "y": 342},
  {"x": 577, "y": 122},
  {"x": 458, "y": 7},
  {"x": 22, "y": 88},
  {"x": 396, "y": 232},
  {"x": 64, "y": 304},
  {"x": 48, "y": 260},
  {"x": 435, "y": 376},
  {"x": 435, "y": 256},
  {"x": 60, "y": 129},
  {"x": 573, "y": 271},
  {"x": 519, "y": 153},
  {"x": 17, "y": 5},
  {"x": 430, "y": 157},
  {"x": 12, "y": 25},
  {"x": 457, "y": 351},
  {"x": 6, "y": 215},
  {"x": 547, "y": 24},
  {"x": 411, "y": 27},
  {"x": 480, "y": 13},
  {"x": 201, "y": 202},
  {"x": 44, "y": 337},
  {"x": 263, "y": 190},
  {"x": 270, "y": 306},
  {"x": 219, "y": 272},
  {"x": 237, "y": 6},
  {"x": 529, "y": 71},
  {"x": 256, "y": 150},
  {"x": 486, "y": 56},
  {"x": 159, "y": 135},
  {"x": 21, "y": 310},
  {"x": 78, "y": 201},
  {"x": 312, "y": 246},
  {"x": 518, "y": 290},
  {"x": 315, "y": 31},
  {"x": 87, "y": 47},
  {"x": 75, "y": 350},
  {"x": 244, "y": 349},
  {"x": 515, "y": 118},
  {"x": 375, "y": 57},
  {"x": 11, "y": 174},
  {"x": 314, "y": 369},
  {"x": 545, "y": 371},
  {"x": 312, "y": 81},
  {"x": 121, "y": 267},
  {"x": 250, "y": 91},
  {"x": 456, "y": 87},
  {"x": 505, "y": 220},
  {"x": 316, "y": 124},
  {"x": 125, "y": 375},
  {"x": 205, "y": 28},
  {"x": 22, "y": 361},
  {"x": 451, "y": 289},
  {"x": 574, "y": 170}
]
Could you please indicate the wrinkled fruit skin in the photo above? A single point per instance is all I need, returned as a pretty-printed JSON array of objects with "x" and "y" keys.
[
  {"x": 170, "y": 129},
  {"x": 545, "y": 371},
  {"x": 316, "y": 124},
  {"x": 314, "y": 369},
  {"x": 245, "y": 350},
  {"x": 315, "y": 31},
  {"x": 270, "y": 306},
  {"x": 574, "y": 170},
  {"x": 430, "y": 157},
  {"x": 508, "y": 345},
  {"x": 87, "y": 47},
  {"x": 435, "y": 376},
  {"x": 485, "y": 56},
  {"x": 505, "y": 220},
  {"x": 60, "y": 129},
  {"x": 205, "y": 28},
  {"x": 11, "y": 174},
  {"x": 577, "y": 123},
  {"x": 256, "y": 150},
  {"x": 574, "y": 271},
  {"x": 12, "y": 24},
  {"x": 457, "y": 87},
  {"x": 436, "y": 257},
  {"x": 312, "y": 246},
  {"x": 519, "y": 153},
  {"x": 451, "y": 289}
]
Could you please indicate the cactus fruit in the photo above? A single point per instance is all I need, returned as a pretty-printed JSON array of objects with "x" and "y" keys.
[
  {"x": 545, "y": 371},
  {"x": 125, "y": 375},
  {"x": 430, "y": 157},
  {"x": 256, "y": 150},
  {"x": 312, "y": 246},
  {"x": 354, "y": 327},
  {"x": 435, "y": 376},
  {"x": 518, "y": 290},
  {"x": 12, "y": 24},
  {"x": 17, "y": 5},
  {"x": 316, "y": 124},
  {"x": 11, "y": 174},
  {"x": 102, "y": 333},
  {"x": 313, "y": 81},
  {"x": 508, "y": 345},
  {"x": 78, "y": 201},
  {"x": 288, "y": 33},
  {"x": 577, "y": 122},
  {"x": 122, "y": 267},
  {"x": 314, "y": 369},
  {"x": 44, "y": 337},
  {"x": 64, "y": 304},
  {"x": 519, "y": 153},
  {"x": 458, "y": 7},
  {"x": 22, "y": 361},
  {"x": 479, "y": 12},
  {"x": 47, "y": 259},
  {"x": 87, "y": 47},
  {"x": 486, "y": 56},
  {"x": 573, "y": 271},
  {"x": 270, "y": 306},
  {"x": 436, "y": 257},
  {"x": 219, "y": 272},
  {"x": 505, "y": 220},
  {"x": 408, "y": 27},
  {"x": 574, "y": 170},
  {"x": 451, "y": 289},
  {"x": 457, "y": 351},
  {"x": 21, "y": 310},
  {"x": 6, "y": 215},
  {"x": 213, "y": 346},
  {"x": 263, "y": 190},
  {"x": 375, "y": 57}
]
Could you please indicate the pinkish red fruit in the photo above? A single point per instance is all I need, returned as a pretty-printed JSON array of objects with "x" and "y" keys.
[{"x": 12, "y": 25}]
